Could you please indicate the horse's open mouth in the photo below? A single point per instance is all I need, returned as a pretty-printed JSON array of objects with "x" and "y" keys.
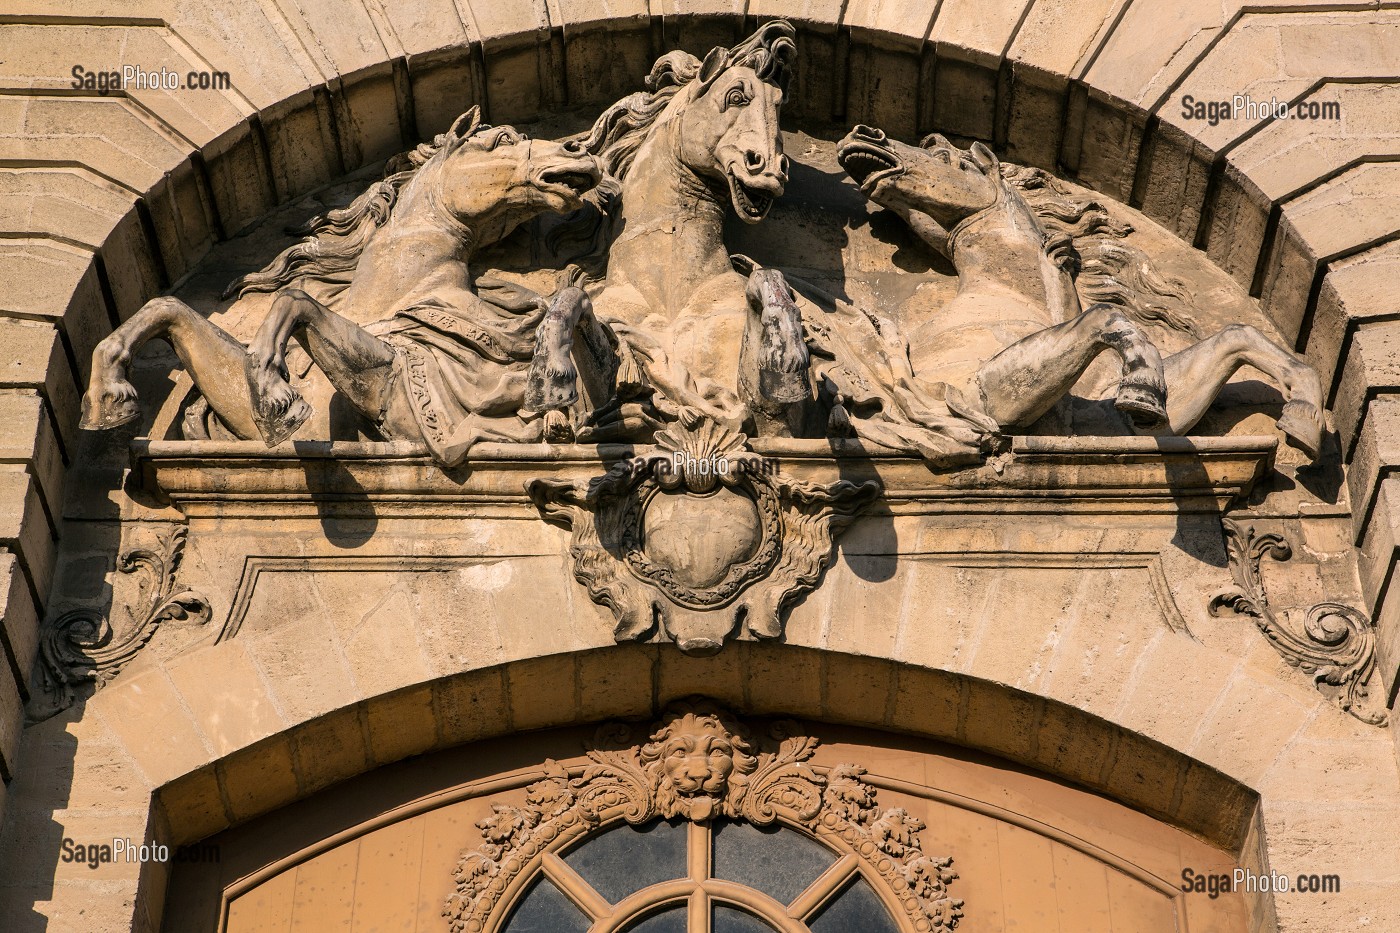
[
  {"x": 577, "y": 182},
  {"x": 751, "y": 205},
  {"x": 867, "y": 164}
]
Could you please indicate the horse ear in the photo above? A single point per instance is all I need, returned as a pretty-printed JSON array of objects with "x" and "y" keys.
[
  {"x": 466, "y": 124},
  {"x": 985, "y": 158},
  {"x": 711, "y": 67}
]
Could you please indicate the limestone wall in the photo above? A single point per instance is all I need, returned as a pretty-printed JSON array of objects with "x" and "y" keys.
[{"x": 109, "y": 199}]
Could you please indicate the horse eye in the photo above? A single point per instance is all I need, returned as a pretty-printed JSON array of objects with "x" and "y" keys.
[{"x": 736, "y": 97}]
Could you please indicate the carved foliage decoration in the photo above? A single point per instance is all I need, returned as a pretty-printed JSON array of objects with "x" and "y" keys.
[
  {"x": 1336, "y": 644},
  {"x": 82, "y": 646},
  {"x": 700, "y": 763},
  {"x": 699, "y": 536}
]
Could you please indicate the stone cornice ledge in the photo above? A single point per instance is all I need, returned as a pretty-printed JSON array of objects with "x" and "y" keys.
[{"x": 1039, "y": 474}]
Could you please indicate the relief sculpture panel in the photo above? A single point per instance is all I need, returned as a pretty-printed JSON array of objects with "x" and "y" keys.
[{"x": 664, "y": 287}]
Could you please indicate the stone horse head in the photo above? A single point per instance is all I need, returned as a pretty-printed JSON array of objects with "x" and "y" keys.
[
  {"x": 935, "y": 186},
  {"x": 724, "y": 120}
]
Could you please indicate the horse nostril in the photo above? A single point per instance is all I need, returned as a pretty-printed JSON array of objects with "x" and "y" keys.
[
  {"x": 573, "y": 146},
  {"x": 869, "y": 132},
  {"x": 753, "y": 161}
]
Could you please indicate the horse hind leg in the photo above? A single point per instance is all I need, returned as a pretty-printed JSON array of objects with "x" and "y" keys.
[
  {"x": 1197, "y": 374},
  {"x": 208, "y": 354}
]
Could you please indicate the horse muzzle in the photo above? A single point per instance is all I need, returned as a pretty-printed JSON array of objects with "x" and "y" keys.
[{"x": 753, "y": 195}]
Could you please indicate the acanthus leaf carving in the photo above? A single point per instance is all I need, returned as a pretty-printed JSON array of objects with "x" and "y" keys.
[
  {"x": 82, "y": 646},
  {"x": 1336, "y": 643},
  {"x": 700, "y": 763}
]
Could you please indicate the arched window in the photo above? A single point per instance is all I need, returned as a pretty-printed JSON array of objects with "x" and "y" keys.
[
  {"x": 700, "y": 828},
  {"x": 720, "y": 877}
]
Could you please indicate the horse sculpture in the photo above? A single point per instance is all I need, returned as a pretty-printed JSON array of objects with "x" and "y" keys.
[
  {"x": 695, "y": 336},
  {"x": 1017, "y": 296},
  {"x": 411, "y": 345}
]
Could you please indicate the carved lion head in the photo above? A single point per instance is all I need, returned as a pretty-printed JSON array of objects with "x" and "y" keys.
[{"x": 698, "y": 762}]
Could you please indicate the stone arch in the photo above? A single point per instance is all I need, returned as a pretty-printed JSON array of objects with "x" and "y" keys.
[
  {"x": 636, "y": 683},
  {"x": 98, "y": 222}
]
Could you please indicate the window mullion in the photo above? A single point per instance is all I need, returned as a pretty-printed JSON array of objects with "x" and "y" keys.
[
  {"x": 699, "y": 865},
  {"x": 822, "y": 890}
]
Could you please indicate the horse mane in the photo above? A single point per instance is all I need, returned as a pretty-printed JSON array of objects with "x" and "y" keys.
[
  {"x": 333, "y": 242},
  {"x": 621, "y": 129},
  {"x": 1084, "y": 240}
]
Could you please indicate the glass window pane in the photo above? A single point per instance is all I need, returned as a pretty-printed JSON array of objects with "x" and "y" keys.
[
  {"x": 545, "y": 909},
  {"x": 625, "y": 859},
  {"x": 670, "y": 920},
  {"x": 856, "y": 909},
  {"x": 778, "y": 861},
  {"x": 731, "y": 920}
]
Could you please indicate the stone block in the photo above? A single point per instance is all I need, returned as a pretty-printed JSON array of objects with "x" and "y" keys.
[
  {"x": 721, "y": 676},
  {"x": 1244, "y": 733},
  {"x": 927, "y": 703},
  {"x": 193, "y": 806},
  {"x": 542, "y": 692},
  {"x": 402, "y": 724},
  {"x": 58, "y": 283},
  {"x": 1354, "y": 292},
  {"x": 783, "y": 680},
  {"x": 150, "y": 719},
  {"x": 18, "y": 615},
  {"x": 471, "y": 706},
  {"x": 226, "y": 696},
  {"x": 27, "y": 437},
  {"x": 35, "y": 361},
  {"x": 857, "y": 689},
  {"x": 259, "y": 779},
  {"x": 25, "y": 529},
  {"x": 1372, "y": 367},
  {"x": 1238, "y": 220},
  {"x": 616, "y": 683},
  {"x": 330, "y": 749},
  {"x": 1375, "y": 455}
]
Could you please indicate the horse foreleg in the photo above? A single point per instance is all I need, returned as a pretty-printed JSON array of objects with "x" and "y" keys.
[
  {"x": 774, "y": 346},
  {"x": 213, "y": 359},
  {"x": 552, "y": 383},
  {"x": 1196, "y": 375},
  {"x": 1026, "y": 379},
  {"x": 358, "y": 364}
]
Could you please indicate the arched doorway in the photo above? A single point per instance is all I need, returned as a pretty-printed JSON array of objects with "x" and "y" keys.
[{"x": 703, "y": 822}]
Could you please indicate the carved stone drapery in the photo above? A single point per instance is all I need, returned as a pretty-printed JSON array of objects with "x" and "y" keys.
[
  {"x": 657, "y": 778},
  {"x": 697, "y": 538},
  {"x": 82, "y": 646},
  {"x": 1337, "y": 643}
]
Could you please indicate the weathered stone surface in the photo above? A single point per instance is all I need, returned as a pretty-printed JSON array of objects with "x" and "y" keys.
[{"x": 337, "y": 672}]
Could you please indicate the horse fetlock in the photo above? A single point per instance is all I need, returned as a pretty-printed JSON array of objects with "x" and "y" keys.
[
  {"x": 108, "y": 403},
  {"x": 278, "y": 409},
  {"x": 1301, "y": 422}
]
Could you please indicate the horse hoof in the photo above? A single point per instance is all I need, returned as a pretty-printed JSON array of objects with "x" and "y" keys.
[
  {"x": 110, "y": 409},
  {"x": 277, "y": 427},
  {"x": 1145, "y": 405},
  {"x": 557, "y": 429},
  {"x": 1301, "y": 424}
]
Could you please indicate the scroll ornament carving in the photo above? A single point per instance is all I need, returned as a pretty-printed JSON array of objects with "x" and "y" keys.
[
  {"x": 701, "y": 763},
  {"x": 82, "y": 646},
  {"x": 1336, "y": 643},
  {"x": 639, "y": 546}
]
